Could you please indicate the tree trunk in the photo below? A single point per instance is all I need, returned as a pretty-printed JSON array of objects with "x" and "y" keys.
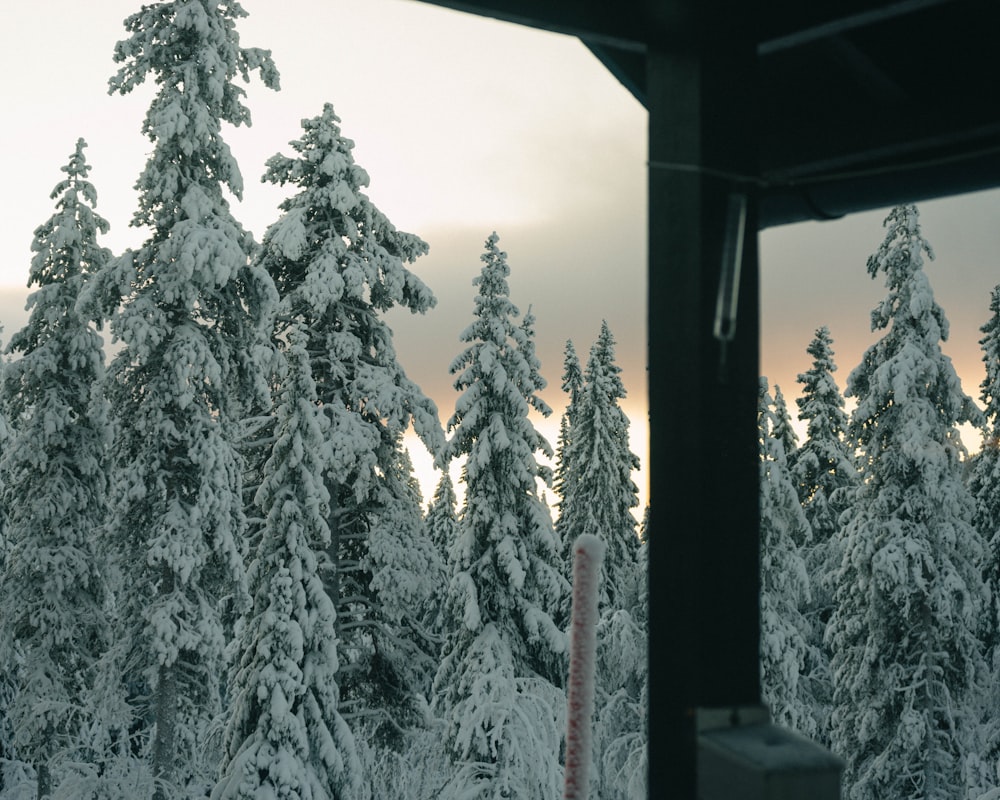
[
  {"x": 165, "y": 714},
  {"x": 331, "y": 580},
  {"x": 44, "y": 780}
]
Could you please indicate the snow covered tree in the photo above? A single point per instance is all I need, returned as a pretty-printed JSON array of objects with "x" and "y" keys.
[
  {"x": 255, "y": 443},
  {"x": 55, "y": 488},
  {"x": 442, "y": 516},
  {"x": 572, "y": 380},
  {"x": 5, "y": 435},
  {"x": 563, "y": 477},
  {"x": 441, "y": 522},
  {"x": 286, "y": 736},
  {"x": 823, "y": 472},
  {"x": 784, "y": 584},
  {"x": 407, "y": 574},
  {"x": 910, "y": 597},
  {"x": 600, "y": 472},
  {"x": 531, "y": 382},
  {"x": 572, "y": 384},
  {"x": 193, "y": 314},
  {"x": 783, "y": 430},
  {"x": 495, "y": 683},
  {"x": 984, "y": 484},
  {"x": 339, "y": 265},
  {"x": 620, "y": 727},
  {"x": 985, "y": 480},
  {"x": 823, "y": 464},
  {"x": 414, "y": 771},
  {"x": 8, "y": 670}
]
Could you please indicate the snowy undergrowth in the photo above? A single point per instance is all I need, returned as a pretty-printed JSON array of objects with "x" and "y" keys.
[{"x": 506, "y": 731}]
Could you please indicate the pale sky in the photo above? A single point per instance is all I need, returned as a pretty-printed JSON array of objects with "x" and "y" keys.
[{"x": 465, "y": 126}]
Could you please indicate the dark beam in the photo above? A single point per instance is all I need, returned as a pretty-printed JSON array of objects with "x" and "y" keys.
[
  {"x": 862, "y": 71},
  {"x": 811, "y": 22},
  {"x": 703, "y": 468},
  {"x": 637, "y": 23},
  {"x": 599, "y": 22},
  {"x": 926, "y": 177},
  {"x": 627, "y": 66}
]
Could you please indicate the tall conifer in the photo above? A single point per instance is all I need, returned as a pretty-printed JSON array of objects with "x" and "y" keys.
[
  {"x": 600, "y": 470},
  {"x": 824, "y": 473},
  {"x": 407, "y": 576},
  {"x": 823, "y": 465},
  {"x": 984, "y": 484},
  {"x": 985, "y": 479},
  {"x": 286, "y": 736},
  {"x": 572, "y": 383},
  {"x": 53, "y": 590},
  {"x": 193, "y": 314},
  {"x": 8, "y": 677},
  {"x": 442, "y": 526},
  {"x": 442, "y": 515},
  {"x": 783, "y": 430},
  {"x": 494, "y": 685},
  {"x": 620, "y": 726},
  {"x": 339, "y": 265},
  {"x": 910, "y": 594},
  {"x": 784, "y": 584}
]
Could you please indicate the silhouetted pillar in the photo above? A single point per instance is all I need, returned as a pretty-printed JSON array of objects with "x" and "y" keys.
[{"x": 704, "y": 539}]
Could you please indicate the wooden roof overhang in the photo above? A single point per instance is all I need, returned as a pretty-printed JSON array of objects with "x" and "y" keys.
[
  {"x": 765, "y": 113},
  {"x": 861, "y": 104}
]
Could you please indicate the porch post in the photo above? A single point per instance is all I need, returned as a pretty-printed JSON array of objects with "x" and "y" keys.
[{"x": 704, "y": 523}]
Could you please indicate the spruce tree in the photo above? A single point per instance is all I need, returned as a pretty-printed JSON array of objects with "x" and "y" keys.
[
  {"x": 441, "y": 522},
  {"x": 286, "y": 736},
  {"x": 644, "y": 525},
  {"x": 565, "y": 478},
  {"x": 784, "y": 584},
  {"x": 572, "y": 384},
  {"x": 984, "y": 484},
  {"x": 572, "y": 380},
  {"x": 407, "y": 574},
  {"x": 985, "y": 479},
  {"x": 53, "y": 593},
  {"x": 620, "y": 725},
  {"x": 5, "y": 436},
  {"x": 339, "y": 266},
  {"x": 442, "y": 515},
  {"x": 823, "y": 472},
  {"x": 495, "y": 683},
  {"x": 783, "y": 430},
  {"x": 531, "y": 382},
  {"x": 193, "y": 315},
  {"x": 8, "y": 670},
  {"x": 910, "y": 597},
  {"x": 600, "y": 470},
  {"x": 823, "y": 464}
]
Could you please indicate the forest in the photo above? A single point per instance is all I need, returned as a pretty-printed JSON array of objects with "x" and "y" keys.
[
  {"x": 218, "y": 577},
  {"x": 879, "y": 542}
]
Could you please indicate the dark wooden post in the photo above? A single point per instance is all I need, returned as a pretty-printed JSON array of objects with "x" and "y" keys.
[{"x": 704, "y": 538}]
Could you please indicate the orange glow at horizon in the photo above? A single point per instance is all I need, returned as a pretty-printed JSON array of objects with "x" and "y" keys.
[{"x": 428, "y": 475}]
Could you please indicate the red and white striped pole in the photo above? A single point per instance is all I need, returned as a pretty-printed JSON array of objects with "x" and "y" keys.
[{"x": 588, "y": 553}]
